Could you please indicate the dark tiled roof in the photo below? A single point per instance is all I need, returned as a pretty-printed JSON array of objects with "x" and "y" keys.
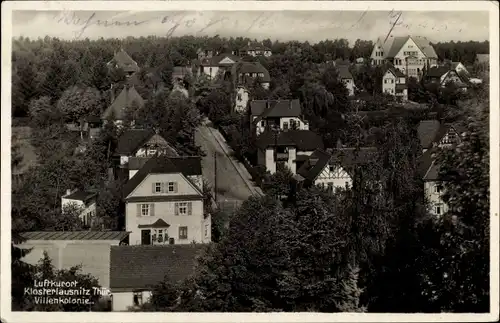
[
  {"x": 304, "y": 140},
  {"x": 394, "y": 71},
  {"x": 437, "y": 71},
  {"x": 396, "y": 44},
  {"x": 125, "y": 62},
  {"x": 164, "y": 165},
  {"x": 141, "y": 267},
  {"x": 164, "y": 198},
  {"x": 75, "y": 235},
  {"x": 251, "y": 67},
  {"x": 311, "y": 170},
  {"x": 216, "y": 60},
  {"x": 275, "y": 108},
  {"x": 133, "y": 139},
  {"x": 126, "y": 99},
  {"x": 425, "y": 162},
  {"x": 344, "y": 72},
  {"x": 431, "y": 131},
  {"x": 80, "y": 195},
  {"x": 136, "y": 163},
  {"x": 393, "y": 46}
]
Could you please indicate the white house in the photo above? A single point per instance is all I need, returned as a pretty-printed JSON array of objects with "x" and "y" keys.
[
  {"x": 394, "y": 83},
  {"x": 409, "y": 54},
  {"x": 446, "y": 74},
  {"x": 331, "y": 170},
  {"x": 241, "y": 100},
  {"x": 433, "y": 187},
  {"x": 290, "y": 148},
  {"x": 217, "y": 65},
  {"x": 273, "y": 114},
  {"x": 164, "y": 202},
  {"x": 84, "y": 201},
  {"x": 346, "y": 78},
  {"x": 135, "y": 270}
]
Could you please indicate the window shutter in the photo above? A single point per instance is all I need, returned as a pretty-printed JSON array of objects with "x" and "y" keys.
[
  {"x": 138, "y": 210},
  {"x": 176, "y": 207},
  {"x": 152, "y": 209},
  {"x": 153, "y": 187},
  {"x": 175, "y": 187},
  {"x": 190, "y": 208},
  {"x": 163, "y": 189}
]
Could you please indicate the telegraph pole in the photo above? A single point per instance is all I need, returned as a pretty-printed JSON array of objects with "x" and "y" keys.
[{"x": 215, "y": 177}]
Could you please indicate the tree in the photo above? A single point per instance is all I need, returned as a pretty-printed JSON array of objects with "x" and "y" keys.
[
  {"x": 43, "y": 113},
  {"x": 215, "y": 105},
  {"x": 76, "y": 103}
]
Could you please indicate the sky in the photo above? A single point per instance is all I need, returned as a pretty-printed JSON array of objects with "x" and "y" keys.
[{"x": 312, "y": 26}]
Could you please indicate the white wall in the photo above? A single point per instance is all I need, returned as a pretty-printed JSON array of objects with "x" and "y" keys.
[
  {"x": 389, "y": 83},
  {"x": 269, "y": 159},
  {"x": 337, "y": 177},
  {"x": 434, "y": 198},
  {"x": 349, "y": 84},
  {"x": 123, "y": 300},
  {"x": 210, "y": 71}
]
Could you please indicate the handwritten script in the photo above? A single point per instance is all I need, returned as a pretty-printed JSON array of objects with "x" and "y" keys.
[{"x": 195, "y": 22}]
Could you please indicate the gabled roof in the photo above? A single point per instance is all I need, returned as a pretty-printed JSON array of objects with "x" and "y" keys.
[
  {"x": 164, "y": 165},
  {"x": 309, "y": 170},
  {"x": 344, "y": 72},
  {"x": 126, "y": 99},
  {"x": 432, "y": 131},
  {"x": 215, "y": 60},
  {"x": 80, "y": 195},
  {"x": 391, "y": 69},
  {"x": 133, "y": 139},
  {"x": 393, "y": 45},
  {"x": 303, "y": 140},
  {"x": 251, "y": 67},
  {"x": 124, "y": 61},
  {"x": 143, "y": 266},
  {"x": 75, "y": 235},
  {"x": 275, "y": 108}
]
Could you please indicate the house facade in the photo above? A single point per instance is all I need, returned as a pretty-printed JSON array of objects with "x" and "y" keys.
[
  {"x": 219, "y": 65},
  {"x": 134, "y": 270},
  {"x": 164, "y": 203},
  {"x": 277, "y": 114},
  {"x": 255, "y": 49},
  {"x": 122, "y": 60},
  {"x": 289, "y": 148},
  {"x": 408, "y": 54},
  {"x": 346, "y": 78},
  {"x": 433, "y": 187},
  {"x": 84, "y": 201},
  {"x": 241, "y": 100},
  {"x": 245, "y": 73},
  {"x": 446, "y": 74},
  {"x": 394, "y": 83}
]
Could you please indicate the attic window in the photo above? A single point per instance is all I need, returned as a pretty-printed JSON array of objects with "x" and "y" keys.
[{"x": 331, "y": 168}]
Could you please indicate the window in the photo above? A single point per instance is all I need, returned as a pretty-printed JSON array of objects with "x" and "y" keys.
[
  {"x": 183, "y": 233},
  {"x": 385, "y": 81},
  {"x": 182, "y": 208},
  {"x": 392, "y": 81},
  {"x": 157, "y": 188},
  {"x": 330, "y": 187},
  {"x": 171, "y": 187},
  {"x": 438, "y": 208},
  {"x": 145, "y": 209},
  {"x": 293, "y": 124},
  {"x": 331, "y": 168},
  {"x": 151, "y": 152},
  {"x": 285, "y": 125},
  {"x": 160, "y": 236},
  {"x": 437, "y": 189},
  {"x": 346, "y": 184},
  {"x": 137, "y": 298},
  {"x": 240, "y": 97},
  {"x": 262, "y": 124}
]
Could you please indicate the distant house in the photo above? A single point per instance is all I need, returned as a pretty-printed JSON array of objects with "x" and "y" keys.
[
  {"x": 482, "y": 62},
  {"x": 135, "y": 270},
  {"x": 288, "y": 148},
  {"x": 346, "y": 78},
  {"x": 241, "y": 100},
  {"x": 142, "y": 143},
  {"x": 434, "y": 133},
  {"x": 248, "y": 72},
  {"x": 84, "y": 200},
  {"x": 446, "y": 74},
  {"x": 180, "y": 72},
  {"x": 409, "y": 54},
  {"x": 433, "y": 186},
  {"x": 217, "y": 65},
  {"x": 282, "y": 114},
  {"x": 459, "y": 67},
  {"x": 127, "y": 99},
  {"x": 123, "y": 61},
  {"x": 255, "y": 49},
  {"x": 66, "y": 249},
  {"x": 164, "y": 202},
  {"x": 394, "y": 83},
  {"x": 334, "y": 169}
]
